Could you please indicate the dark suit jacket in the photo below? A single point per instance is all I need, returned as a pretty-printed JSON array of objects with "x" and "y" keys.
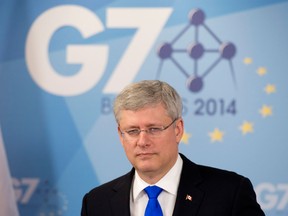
[{"x": 213, "y": 192}]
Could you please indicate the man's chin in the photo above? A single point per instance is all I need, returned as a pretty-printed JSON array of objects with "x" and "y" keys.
[{"x": 146, "y": 167}]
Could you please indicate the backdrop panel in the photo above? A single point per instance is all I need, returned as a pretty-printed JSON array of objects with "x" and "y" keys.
[{"x": 62, "y": 64}]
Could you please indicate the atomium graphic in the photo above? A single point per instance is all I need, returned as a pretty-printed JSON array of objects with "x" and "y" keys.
[{"x": 196, "y": 50}]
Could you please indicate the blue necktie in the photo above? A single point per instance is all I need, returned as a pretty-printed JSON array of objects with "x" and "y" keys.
[{"x": 153, "y": 207}]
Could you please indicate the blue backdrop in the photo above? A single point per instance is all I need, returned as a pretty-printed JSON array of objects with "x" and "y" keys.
[{"x": 63, "y": 62}]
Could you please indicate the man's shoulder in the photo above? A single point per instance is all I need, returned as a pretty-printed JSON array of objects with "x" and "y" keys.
[
  {"x": 209, "y": 173},
  {"x": 113, "y": 184},
  {"x": 97, "y": 201},
  {"x": 215, "y": 174},
  {"x": 214, "y": 181}
]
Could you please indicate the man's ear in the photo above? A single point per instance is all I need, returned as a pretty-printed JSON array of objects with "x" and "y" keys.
[
  {"x": 179, "y": 129},
  {"x": 120, "y": 135}
]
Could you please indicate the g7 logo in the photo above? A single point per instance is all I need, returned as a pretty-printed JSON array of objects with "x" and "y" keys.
[
  {"x": 272, "y": 196},
  {"x": 88, "y": 24},
  {"x": 25, "y": 188}
]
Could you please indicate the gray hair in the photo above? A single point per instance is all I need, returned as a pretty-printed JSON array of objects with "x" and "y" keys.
[{"x": 148, "y": 93}]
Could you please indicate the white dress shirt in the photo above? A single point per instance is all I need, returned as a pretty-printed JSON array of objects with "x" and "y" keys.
[{"x": 167, "y": 198}]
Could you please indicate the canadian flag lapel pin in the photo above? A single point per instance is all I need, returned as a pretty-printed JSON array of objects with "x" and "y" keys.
[{"x": 188, "y": 197}]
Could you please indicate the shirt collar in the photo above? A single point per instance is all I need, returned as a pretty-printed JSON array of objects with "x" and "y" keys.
[{"x": 169, "y": 182}]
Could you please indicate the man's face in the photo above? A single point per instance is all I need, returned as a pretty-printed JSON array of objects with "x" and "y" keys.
[{"x": 152, "y": 156}]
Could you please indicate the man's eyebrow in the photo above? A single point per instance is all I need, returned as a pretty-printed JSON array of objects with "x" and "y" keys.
[{"x": 146, "y": 126}]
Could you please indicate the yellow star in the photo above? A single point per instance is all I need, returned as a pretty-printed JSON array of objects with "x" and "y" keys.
[
  {"x": 270, "y": 89},
  {"x": 216, "y": 135},
  {"x": 185, "y": 137},
  {"x": 266, "y": 111},
  {"x": 261, "y": 71},
  {"x": 247, "y": 60},
  {"x": 246, "y": 127}
]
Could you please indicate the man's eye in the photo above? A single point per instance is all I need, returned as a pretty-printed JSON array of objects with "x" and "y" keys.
[
  {"x": 154, "y": 130},
  {"x": 133, "y": 132}
]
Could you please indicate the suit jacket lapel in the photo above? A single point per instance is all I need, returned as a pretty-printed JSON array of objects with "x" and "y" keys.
[
  {"x": 189, "y": 197},
  {"x": 120, "y": 202},
  {"x": 188, "y": 200}
]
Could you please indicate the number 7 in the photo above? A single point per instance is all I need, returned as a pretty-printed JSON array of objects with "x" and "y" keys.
[
  {"x": 284, "y": 200},
  {"x": 31, "y": 187},
  {"x": 150, "y": 22}
]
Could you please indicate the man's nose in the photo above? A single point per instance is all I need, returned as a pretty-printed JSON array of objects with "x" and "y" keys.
[{"x": 143, "y": 138}]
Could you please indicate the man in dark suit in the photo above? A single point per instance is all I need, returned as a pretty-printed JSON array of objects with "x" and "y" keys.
[{"x": 150, "y": 127}]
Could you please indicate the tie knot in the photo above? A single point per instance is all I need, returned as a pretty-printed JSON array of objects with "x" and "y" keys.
[{"x": 153, "y": 191}]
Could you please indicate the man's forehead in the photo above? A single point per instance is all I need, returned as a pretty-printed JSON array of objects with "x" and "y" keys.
[{"x": 149, "y": 114}]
